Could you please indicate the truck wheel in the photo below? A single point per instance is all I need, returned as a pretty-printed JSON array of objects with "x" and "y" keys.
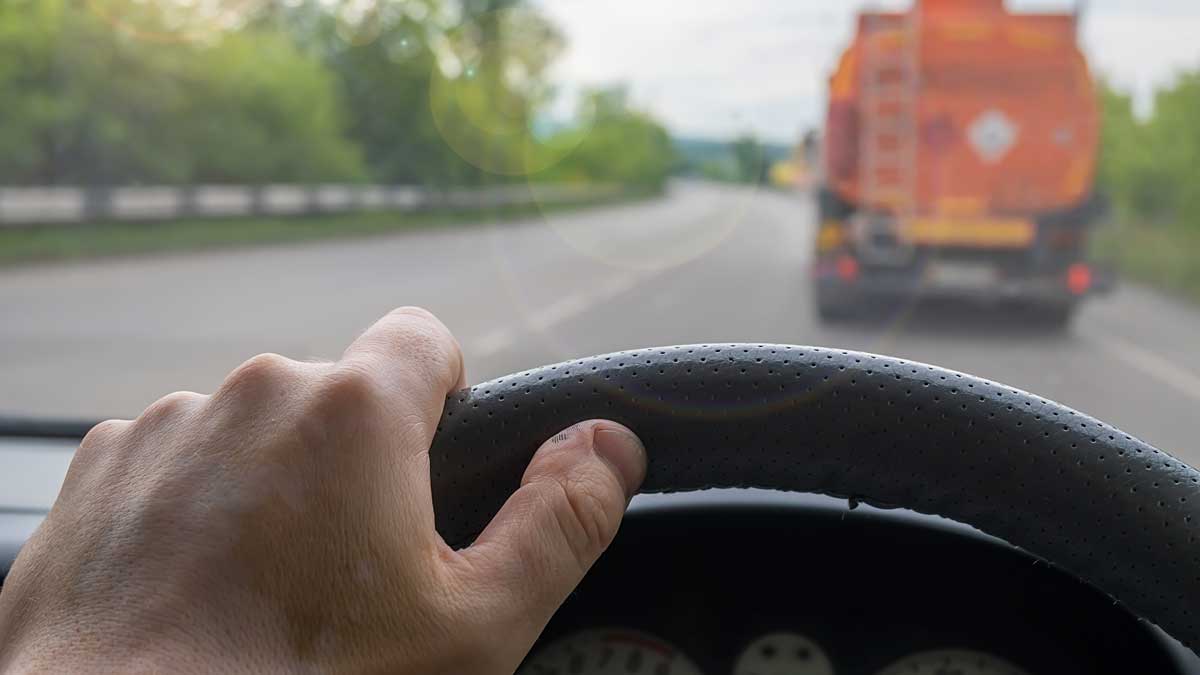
[
  {"x": 836, "y": 306},
  {"x": 1053, "y": 316}
]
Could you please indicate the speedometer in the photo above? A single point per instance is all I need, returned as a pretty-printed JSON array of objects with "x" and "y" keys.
[
  {"x": 609, "y": 652},
  {"x": 952, "y": 662},
  {"x": 783, "y": 654}
]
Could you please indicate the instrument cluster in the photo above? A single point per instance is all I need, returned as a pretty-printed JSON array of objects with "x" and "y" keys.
[
  {"x": 617, "y": 651},
  {"x": 812, "y": 588}
]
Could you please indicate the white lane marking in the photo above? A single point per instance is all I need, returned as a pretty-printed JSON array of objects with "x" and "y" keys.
[
  {"x": 1164, "y": 370},
  {"x": 575, "y": 304},
  {"x": 572, "y": 305}
]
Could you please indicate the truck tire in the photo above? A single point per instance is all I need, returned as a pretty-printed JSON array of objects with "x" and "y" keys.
[
  {"x": 1054, "y": 316},
  {"x": 833, "y": 306}
]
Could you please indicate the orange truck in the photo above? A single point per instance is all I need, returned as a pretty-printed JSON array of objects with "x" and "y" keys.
[{"x": 960, "y": 147}]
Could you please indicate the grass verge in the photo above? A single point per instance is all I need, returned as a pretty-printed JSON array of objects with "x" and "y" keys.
[
  {"x": 1163, "y": 255},
  {"x": 24, "y": 245}
]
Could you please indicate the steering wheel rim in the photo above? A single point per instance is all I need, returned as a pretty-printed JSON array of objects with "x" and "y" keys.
[{"x": 1069, "y": 489}]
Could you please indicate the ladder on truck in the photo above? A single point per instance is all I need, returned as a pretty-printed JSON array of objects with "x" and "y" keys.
[{"x": 889, "y": 86}]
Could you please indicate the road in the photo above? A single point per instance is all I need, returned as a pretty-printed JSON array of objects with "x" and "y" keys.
[{"x": 704, "y": 264}]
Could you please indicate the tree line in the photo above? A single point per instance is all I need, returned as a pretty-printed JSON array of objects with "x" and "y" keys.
[
  {"x": 1150, "y": 167},
  {"x": 431, "y": 92}
]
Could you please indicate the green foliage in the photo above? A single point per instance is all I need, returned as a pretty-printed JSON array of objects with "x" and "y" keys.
[
  {"x": 613, "y": 143},
  {"x": 1175, "y": 134},
  {"x": 745, "y": 160},
  {"x": 434, "y": 92},
  {"x": 87, "y": 102},
  {"x": 1164, "y": 255},
  {"x": 1128, "y": 171},
  {"x": 1150, "y": 168},
  {"x": 725, "y": 170},
  {"x": 381, "y": 65},
  {"x": 751, "y": 159}
]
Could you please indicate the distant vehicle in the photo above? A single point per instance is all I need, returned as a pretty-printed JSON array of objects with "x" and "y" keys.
[{"x": 959, "y": 155}]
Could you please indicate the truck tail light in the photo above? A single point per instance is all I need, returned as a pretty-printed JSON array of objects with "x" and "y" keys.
[
  {"x": 1079, "y": 278},
  {"x": 847, "y": 268}
]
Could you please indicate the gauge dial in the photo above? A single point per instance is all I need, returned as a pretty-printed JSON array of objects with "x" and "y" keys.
[
  {"x": 952, "y": 662},
  {"x": 783, "y": 654},
  {"x": 609, "y": 652}
]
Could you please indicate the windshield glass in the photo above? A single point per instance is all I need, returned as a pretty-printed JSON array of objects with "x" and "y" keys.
[{"x": 1005, "y": 189}]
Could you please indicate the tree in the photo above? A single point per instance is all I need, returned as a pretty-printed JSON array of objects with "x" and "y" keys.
[
  {"x": 1174, "y": 136},
  {"x": 751, "y": 159},
  {"x": 178, "y": 91},
  {"x": 1127, "y": 170},
  {"x": 1150, "y": 167},
  {"x": 89, "y": 102},
  {"x": 613, "y": 143}
]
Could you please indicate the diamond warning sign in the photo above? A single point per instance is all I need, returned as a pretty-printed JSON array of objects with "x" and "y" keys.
[{"x": 992, "y": 135}]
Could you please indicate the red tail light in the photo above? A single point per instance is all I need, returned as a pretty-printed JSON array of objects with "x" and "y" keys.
[
  {"x": 1079, "y": 278},
  {"x": 847, "y": 268}
]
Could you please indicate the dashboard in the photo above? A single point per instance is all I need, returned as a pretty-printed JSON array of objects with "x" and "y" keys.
[{"x": 719, "y": 584}]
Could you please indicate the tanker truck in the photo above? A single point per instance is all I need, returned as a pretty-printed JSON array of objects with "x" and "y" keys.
[{"x": 958, "y": 160}]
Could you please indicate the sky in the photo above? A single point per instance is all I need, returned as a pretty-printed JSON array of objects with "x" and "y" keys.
[{"x": 717, "y": 68}]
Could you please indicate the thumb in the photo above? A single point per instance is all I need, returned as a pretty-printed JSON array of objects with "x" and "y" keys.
[{"x": 564, "y": 515}]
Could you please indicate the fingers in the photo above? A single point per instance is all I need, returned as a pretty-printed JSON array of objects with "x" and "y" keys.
[
  {"x": 391, "y": 383},
  {"x": 414, "y": 360},
  {"x": 412, "y": 347},
  {"x": 564, "y": 515}
]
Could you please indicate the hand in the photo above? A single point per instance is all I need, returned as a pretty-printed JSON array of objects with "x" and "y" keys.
[{"x": 285, "y": 523}]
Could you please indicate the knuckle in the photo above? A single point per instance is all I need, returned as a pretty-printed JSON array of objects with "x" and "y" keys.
[
  {"x": 264, "y": 370},
  {"x": 426, "y": 338},
  {"x": 417, "y": 313},
  {"x": 101, "y": 447},
  {"x": 168, "y": 407},
  {"x": 102, "y": 435},
  {"x": 347, "y": 387}
]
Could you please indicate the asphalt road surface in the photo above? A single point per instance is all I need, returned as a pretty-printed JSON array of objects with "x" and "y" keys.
[{"x": 704, "y": 264}]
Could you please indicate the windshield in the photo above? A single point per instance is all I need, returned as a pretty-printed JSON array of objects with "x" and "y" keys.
[{"x": 1002, "y": 189}]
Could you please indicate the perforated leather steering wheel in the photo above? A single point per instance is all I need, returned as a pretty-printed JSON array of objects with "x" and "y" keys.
[{"x": 1065, "y": 487}]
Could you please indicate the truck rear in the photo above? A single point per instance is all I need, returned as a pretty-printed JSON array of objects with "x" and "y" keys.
[{"x": 959, "y": 154}]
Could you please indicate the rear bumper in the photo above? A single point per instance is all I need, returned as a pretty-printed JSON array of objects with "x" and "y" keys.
[{"x": 916, "y": 282}]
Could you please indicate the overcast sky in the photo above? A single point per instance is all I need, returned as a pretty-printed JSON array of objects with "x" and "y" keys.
[{"x": 719, "y": 67}]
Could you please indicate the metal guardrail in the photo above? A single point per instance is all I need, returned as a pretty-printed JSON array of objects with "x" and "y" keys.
[{"x": 38, "y": 206}]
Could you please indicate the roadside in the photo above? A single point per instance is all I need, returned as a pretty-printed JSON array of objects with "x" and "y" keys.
[
  {"x": 1164, "y": 256},
  {"x": 92, "y": 240}
]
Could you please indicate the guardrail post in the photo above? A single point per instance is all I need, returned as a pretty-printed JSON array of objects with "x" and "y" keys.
[
  {"x": 187, "y": 202},
  {"x": 258, "y": 200},
  {"x": 97, "y": 204}
]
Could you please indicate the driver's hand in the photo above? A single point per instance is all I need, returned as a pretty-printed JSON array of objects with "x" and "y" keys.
[{"x": 285, "y": 523}]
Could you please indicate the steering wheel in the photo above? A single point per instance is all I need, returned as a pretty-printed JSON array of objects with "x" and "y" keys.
[{"x": 1076, "y": 492}]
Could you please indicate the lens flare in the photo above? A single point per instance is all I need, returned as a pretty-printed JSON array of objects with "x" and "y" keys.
[
  {"x": 488, "y": 94},
  {"x": 174, "y": 21},
  {"x": 690, "y": 223},
  {"x": 358, "y": 22},
  {"x": 404, "y": 45}
]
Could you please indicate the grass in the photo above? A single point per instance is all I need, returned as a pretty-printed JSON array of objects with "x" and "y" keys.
[
  {"x": 25, "y": 245},
  {"x": 1164, "y": 255}
]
